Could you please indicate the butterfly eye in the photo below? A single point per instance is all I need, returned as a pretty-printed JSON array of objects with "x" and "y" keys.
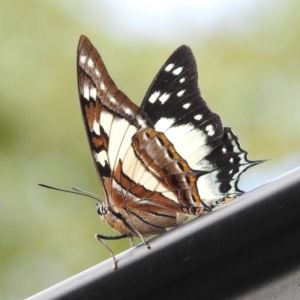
[
  {"x": 98, "y": 209},
  {"x": 101, "y": 209}
]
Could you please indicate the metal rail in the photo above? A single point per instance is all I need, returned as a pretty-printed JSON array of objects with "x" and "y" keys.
[{"x": 248, "y": 249}]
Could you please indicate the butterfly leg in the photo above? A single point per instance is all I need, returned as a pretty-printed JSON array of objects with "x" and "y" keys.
[
  {"x": 131, "y": 240},
  {"x": 142, "y": 238},
  {"x": 130, "y": 225},
  {"x": 139, "y": 235},
  {"x": 145, "y": 242},
  {"x": 100, "y": 237}
]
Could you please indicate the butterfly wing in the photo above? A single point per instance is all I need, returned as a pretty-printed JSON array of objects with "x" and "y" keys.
[
  {"x": 175, "y": 106},
  {"x": 138, "y": 171}
]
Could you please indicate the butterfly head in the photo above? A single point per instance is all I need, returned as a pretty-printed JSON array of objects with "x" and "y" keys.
[
  {"x": 113, "y": 219},
  {"x": 101, "y": 209}
]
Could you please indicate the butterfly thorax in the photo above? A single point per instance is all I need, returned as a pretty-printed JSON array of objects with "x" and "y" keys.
[{"x": 113, "y": 219}]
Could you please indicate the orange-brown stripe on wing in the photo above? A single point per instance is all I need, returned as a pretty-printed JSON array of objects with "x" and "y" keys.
[
  {"x": 99, "y": 138},
  {"x": 148, "y": 212},
  {"x": 131, "y": 187},
  {"x": 160, "y": 158}
]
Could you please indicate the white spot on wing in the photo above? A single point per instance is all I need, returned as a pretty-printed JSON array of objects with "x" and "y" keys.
[
  {"x": 96, "y": 127},
  {"x": 112, "y": 99},
  {"x": 154, "y": 96},
  {"x": 169, "y": 67},
  {"x": 177, "y": 71},
  {"x": 93, "y": 93},
  {"x": 198, "y": 117},
  {"x": 97, "y": 73},
  {"x": 90, "y": 63},
  {"x": 186, "y": 105},
  {"x": 209, "y": 189},
  {"x": 101, "y": 157},
  {"x": 210, "y": 130},
  {"x": 102, "y": 86},
  {"x": 83, "y": 59},
  {"x": 163, "y": 124},
  {"x": 242, "y": 159},
  {"x": 182, "y": 80},
  {"x": 179, "y": 94},
  {"x": 128, "y": 111},
  {"x": 164, "y": 97},
  {"x": 86, "y": 92}
]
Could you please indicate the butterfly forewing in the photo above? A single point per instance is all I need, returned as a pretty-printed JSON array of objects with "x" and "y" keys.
[
  {"x": 110, "y": 118},
  {"x": 141, "y": 183}
]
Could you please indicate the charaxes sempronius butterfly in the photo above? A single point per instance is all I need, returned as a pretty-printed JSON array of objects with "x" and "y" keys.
[{"x": 160, "y": 162}]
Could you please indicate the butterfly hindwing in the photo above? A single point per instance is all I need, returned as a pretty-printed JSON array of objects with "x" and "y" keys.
[
  {"x": 173, "y": 173},
  {"x": 175, "y": 106}
]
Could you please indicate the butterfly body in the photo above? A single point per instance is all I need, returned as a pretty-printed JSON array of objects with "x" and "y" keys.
[{"x": 163, "y": 161}]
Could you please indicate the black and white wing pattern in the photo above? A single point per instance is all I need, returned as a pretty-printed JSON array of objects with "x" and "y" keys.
[{"x": 175, "y": 106}]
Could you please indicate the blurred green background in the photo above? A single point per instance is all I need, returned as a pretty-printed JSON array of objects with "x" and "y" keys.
[{"x": 248, "y": 56}]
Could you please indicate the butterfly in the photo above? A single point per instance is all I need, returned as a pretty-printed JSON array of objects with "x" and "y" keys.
[{"x": 163, "y": 161}]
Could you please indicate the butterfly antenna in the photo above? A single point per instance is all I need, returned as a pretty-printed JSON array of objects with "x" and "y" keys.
[
  {"x": 76, "y": 191},
  {"x": 89, "y": 194}
]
